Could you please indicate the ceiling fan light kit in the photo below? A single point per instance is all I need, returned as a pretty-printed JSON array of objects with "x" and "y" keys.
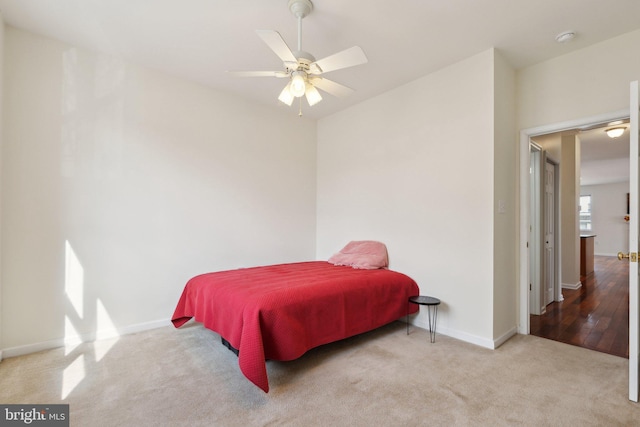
[
  {"x": 301, "y": 67},
  {"x": 615, "y": 132}
]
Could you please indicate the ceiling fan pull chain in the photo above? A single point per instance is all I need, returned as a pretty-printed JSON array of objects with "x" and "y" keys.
[{"x": 300, "y": 107}]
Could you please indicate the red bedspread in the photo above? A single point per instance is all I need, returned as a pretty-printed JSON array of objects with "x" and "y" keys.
[{"x": 279, "y": 312}]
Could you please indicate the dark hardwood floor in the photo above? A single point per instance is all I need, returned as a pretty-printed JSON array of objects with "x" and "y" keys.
[{"x": 596, "y": 316}]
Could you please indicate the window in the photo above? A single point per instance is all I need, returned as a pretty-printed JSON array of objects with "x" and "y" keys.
[{"x": 585, "y": 213}]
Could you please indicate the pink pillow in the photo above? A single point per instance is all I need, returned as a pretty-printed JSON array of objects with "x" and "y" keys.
[{"x": 363, "y": 254}]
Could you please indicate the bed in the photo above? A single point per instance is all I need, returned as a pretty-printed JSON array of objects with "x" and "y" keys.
[{"x": 279, "y": 312}]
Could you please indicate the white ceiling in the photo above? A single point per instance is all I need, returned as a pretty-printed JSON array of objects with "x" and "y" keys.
[{"x": 403, "y": 39}]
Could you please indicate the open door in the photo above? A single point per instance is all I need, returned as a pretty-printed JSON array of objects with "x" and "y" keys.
[
  {"x": 634, "y": 206},
  {"x": 535, "y": 230},
  {"x": 549, "y": 232}
]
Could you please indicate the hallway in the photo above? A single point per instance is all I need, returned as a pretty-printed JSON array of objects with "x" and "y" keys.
[{"x": 596, "y": 316}]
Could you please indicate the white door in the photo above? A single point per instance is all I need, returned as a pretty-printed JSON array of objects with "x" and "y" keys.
[
  {"x": 535, "y": 232},
  {"x": 633, "y": 243},
  {"x": 549, "y": 232}
]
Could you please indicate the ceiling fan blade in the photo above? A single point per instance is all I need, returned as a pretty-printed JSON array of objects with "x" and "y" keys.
[
  {"x": 331, "y": 87},
  {"x": 285, "y": 96},
  {"x": 347, "y": 58},
  {"x": 274, "y": 40},
  {"x": 259, "y": 73},
  {"x": 312, "y": 94}
]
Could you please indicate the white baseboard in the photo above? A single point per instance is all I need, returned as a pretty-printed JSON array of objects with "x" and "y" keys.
[
  {"x": 421, "y": 322},
  {"x": 471, "y": 339},
  {"x": 75, "y": 340},
  {"x": 132, "y": 329},
  {"x": 505, "y": 337},
  {"x": 570, "y": 286}
]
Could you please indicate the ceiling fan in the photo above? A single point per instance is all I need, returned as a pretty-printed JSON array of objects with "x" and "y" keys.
[{"x": 302, "y": 69}]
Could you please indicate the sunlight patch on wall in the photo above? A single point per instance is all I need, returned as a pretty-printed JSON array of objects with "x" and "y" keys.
[
  {"x": 74, "y": 290},
  {"x": 74, "y": 280},
  {"x": 106, "y": 329},
  {"x": 71, "y": 336},
  {"x": 72, "y": 376}
]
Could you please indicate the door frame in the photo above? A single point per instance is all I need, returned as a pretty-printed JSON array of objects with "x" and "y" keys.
[
  {"x": 556, "y": 294},
  {"x": 525, "y": 197}
]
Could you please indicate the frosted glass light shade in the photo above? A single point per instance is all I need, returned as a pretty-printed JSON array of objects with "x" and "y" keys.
[
  {"x": 285, "y": 96},
  {"x": 313, "y": 96},
  {"x": 615, "y": 132},
  {"x": 298, "y": 85}
]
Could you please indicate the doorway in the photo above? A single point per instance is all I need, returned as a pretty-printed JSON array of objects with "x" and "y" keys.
[
  {"x": 634, "y": 191},
  {"x": 607, "y": 177},
  {"x": 525, "y": 191}
]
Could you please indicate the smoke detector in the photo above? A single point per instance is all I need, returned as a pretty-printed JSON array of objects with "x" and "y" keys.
[{"x": 565, "y": 36}]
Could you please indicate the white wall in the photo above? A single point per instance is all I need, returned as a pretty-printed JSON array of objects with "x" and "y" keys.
[
  {"x": 569, "y": 208},
  {"x": 586, "y": 83},
  {"x": 413, "y": 168},
  {"x": 120, "y": 183},
  {"x": 1, "y": 132},
  {"x": 608, "y": 208},
  {"x": 505, "y": 210}
]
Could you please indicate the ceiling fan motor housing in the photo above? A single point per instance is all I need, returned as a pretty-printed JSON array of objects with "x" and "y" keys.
[
  {"x": 305, "y": 59},
  {"x": 300, "y": 8}
]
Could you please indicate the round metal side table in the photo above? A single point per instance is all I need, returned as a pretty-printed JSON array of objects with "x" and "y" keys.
[{"x": 432, "y": 311}]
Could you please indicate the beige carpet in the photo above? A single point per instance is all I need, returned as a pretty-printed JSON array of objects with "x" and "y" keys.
[{"x": 169, "y": 377}]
